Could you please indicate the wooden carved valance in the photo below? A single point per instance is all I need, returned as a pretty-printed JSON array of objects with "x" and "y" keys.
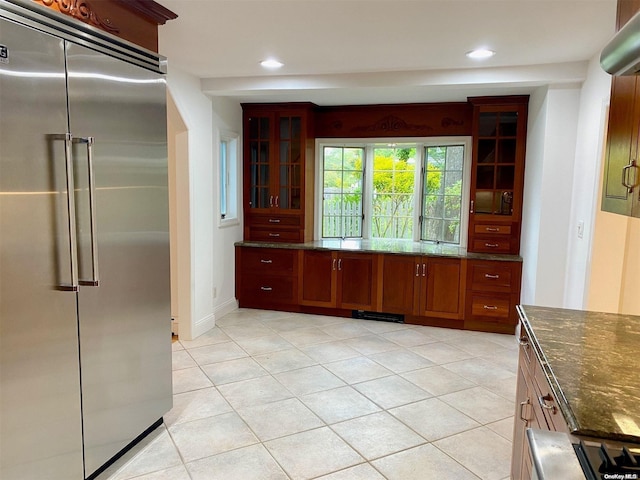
[{"x": 81, "y": 9}]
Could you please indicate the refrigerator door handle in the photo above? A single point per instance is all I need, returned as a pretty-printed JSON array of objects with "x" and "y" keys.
[
  {"x": 71, "y": 211},
  {"x": 95, "y": 280}
]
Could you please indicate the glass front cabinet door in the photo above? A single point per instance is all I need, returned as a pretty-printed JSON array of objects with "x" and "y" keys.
[
  {"x": 497, "y": 174},
  {"x": 275, "y": 155}
]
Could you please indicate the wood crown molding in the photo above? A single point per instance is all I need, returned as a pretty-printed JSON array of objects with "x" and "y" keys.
[{"x": 149, "y": 9}]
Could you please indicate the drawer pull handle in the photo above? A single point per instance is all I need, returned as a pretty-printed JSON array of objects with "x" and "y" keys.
[
  {"x": 489, "y": 307},
  {"x": 523, "y": 341},
  {"x": 266, "y": 289},
  {"x": 417, "y": 269},
  {"x": 274, "y": 234},
  {"x": 266, "y": 261},
  {"x": 339, "y": 264},
  {"x": 522, "y": 405},
  {"x": 274, "y": 220},
  {"x": 333, "y": 264},
  {"x": 492, "y": 229},
  {"x": 492, "y": 277},
  {"x": 492, "y": 245},
  {"x": 543, "y": 399}
]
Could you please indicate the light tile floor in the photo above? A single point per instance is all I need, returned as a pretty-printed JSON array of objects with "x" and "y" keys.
[{"x": 270, "y": 395}]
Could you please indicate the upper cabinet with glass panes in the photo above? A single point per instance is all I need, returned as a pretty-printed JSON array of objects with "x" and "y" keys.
[
  {"x": 276, "y": 140},
  {"x": 497, "y": 174}
]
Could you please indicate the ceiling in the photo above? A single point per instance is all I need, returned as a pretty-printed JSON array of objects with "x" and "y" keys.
[{"x": 383, "y": 51}]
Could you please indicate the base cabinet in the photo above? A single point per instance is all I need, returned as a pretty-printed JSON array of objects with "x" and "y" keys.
[
  {"x": 493, "y": 291},
  {"x": 266, "y": 277},
  {"x": 422, "y": 286},
  {"x": 535, "y": 408},
  {"x": 428, "y": 290},
  {"x": 338, "y": 280}
]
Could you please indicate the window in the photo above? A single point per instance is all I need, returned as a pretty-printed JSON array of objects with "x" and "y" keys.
[
  {"x": 415, "y": 191},
  {"x": 342, "y": 192},
  {"x": 442, "y": 193},
  {"x": 228, "y": 179}
]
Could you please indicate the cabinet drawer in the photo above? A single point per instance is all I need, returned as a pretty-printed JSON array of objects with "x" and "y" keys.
[
  {"x": 268, "y": 261},
  {"x": 493, "y": 229},
  {"x": 491, "y": 307},
  {"x": 492, "y": 244},
  {"x": 494, "y": 277},
  {"x": 276, "y": 220},
  {"x": 545, "y": 399},
  {"x": 265, "y": 289},
  {"x": 275, "y": 235}
]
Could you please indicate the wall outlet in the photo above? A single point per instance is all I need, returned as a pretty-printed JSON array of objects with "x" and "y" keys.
[{"x": 580, "y": 229}]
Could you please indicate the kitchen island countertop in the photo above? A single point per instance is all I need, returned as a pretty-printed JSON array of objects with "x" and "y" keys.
[{"x": 591, "y": 361}]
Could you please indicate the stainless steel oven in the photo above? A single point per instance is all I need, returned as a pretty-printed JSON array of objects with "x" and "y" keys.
[{"x": 555, "y": 456}]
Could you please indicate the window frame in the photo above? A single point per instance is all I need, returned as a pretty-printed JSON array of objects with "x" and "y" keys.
[
  {"x": 420, "y": 143},
  {"x": 231, "y": 185}
]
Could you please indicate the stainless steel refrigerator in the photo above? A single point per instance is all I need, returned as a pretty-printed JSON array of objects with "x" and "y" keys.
[{"x": 85, "y": 335}]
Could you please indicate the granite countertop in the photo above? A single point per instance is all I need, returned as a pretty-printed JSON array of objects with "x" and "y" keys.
[
  {"x": 406, "y": 247},
  {"x": 591, "y": 361}
]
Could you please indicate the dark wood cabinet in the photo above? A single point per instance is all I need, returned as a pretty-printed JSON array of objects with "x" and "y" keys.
[
  {"x": 400, "y": 283},
  {"x": 535, "y": 408},
  {"x": 338, "y": 280},
  {"x": 266, "y": 277},
  {"x": 441, "y": 288},
  {"x": 497, "y": 173},
  {"x": 278, "y": 172},
  {"x": 621, "y": 179},
  {"x": 493, "y": 291},
  {"x": 422, "y": 286}
]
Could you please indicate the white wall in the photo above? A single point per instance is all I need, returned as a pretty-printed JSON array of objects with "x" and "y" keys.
[
  {"x": 549, "y": 172},
  {"x": 210, "y": 248},
  {"x": 585, "y": 201}
]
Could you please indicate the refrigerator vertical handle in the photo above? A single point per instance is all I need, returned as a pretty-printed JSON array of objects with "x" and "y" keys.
[
  {"x": 71, "y": 211},
  {"x": 95, "y": 280}
]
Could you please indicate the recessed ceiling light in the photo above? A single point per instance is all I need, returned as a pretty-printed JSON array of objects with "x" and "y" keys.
[
  {"x": 480, "y": 53},
  {"x": 271, "y": 63}
]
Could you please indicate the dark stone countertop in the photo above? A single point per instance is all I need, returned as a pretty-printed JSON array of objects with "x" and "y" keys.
[
  {"x": 592, "y": 362},
  {"x": 403, "y": 247}
]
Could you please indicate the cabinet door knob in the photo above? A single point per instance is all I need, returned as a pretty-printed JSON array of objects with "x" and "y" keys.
[
  {"x": 543, "y": 399},
  {"x": 625, "y": 176},
  {"x": 522, "y": 405}
]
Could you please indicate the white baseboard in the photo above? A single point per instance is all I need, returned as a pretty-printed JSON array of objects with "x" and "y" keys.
[
  {"x": 203, "y": 325},
  {"x": 207, "y": 323},
  {"x": 226, "y": 307}
]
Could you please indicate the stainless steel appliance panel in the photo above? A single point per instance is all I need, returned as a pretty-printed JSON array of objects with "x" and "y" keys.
[
  {"x": 40, "y": 423},
  {"x": 125, "y": 331}
]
